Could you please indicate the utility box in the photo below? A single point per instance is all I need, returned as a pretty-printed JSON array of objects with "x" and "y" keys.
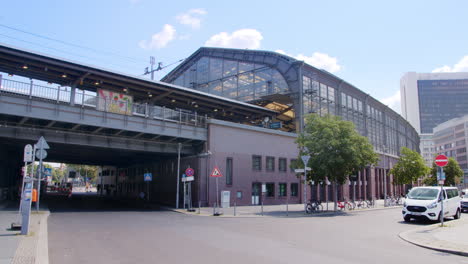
[{"x": 225, "y": 199}]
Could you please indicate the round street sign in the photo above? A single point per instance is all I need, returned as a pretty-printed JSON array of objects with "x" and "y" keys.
[
  {"x": 189, "y": 172},
  {"x": 441, "y": 160},
  {"x": 41, "y": 153}
]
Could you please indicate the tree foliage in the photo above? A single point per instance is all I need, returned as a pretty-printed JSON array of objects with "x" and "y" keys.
[
  {"x": 88, "y": 171},
  {"x": 335, "y": 147},
  {"x": 409, "y": 167},
  {"x": 453, "y": 174}
]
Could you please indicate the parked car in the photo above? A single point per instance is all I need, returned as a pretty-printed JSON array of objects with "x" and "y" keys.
[
  {"x": 464, "y": 201},
  {"x": 425, "y": 203}
]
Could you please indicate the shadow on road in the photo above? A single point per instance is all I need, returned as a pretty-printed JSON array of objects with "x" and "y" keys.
[{"x": 93, "y": 203}]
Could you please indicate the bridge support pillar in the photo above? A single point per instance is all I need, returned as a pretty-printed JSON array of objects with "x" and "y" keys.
[{"x": 72, "y": 94}]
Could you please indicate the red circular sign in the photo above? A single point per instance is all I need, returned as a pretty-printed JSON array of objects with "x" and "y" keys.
[
  {"x": 189, "y": 172},
  {"x": 441, "y": 160}
]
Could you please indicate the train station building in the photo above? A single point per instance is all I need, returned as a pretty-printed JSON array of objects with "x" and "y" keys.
[{"x": 237, "y": 110}]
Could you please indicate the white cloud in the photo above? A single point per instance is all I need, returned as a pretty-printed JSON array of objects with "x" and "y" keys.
[
  {"x": 241, "y": 39},
  {"x": 192, "y": 17},
  {"x": 319, "y": 60},
  {"x": 160, "y": 39},
  {"x": 394, "y": 101},
  {"x": 461, "y": 66}
]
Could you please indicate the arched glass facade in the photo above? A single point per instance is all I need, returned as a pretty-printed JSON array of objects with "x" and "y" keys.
[
  {"x": 237, "y": 74},
  {"x": 238, "y": 80}
]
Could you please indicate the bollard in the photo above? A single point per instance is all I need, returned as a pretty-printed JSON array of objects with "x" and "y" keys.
[
  {"x": 287, "y": 209},
  {"x": 199, "y": 207},
  {"x": 262, "y": 207},
  {"x": 213, "y": 209},
  {"x": 234, "y": 208}
]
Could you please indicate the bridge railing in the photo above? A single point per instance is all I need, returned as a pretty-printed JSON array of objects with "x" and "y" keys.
[{"x": 63, "y": 95}]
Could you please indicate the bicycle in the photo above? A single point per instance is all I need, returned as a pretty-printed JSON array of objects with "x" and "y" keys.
[
  {"x": 345, "y": 205},
  {"x": 314, "y": 206},
  {"x": 390, "y": 201},
  {"x": 361, "y": 204},
  {"x": 370, "y": 203}
]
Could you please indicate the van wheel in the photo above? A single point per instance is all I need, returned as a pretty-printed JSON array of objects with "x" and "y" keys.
[
  {"x": 457, "y": 215},
  {"x": 407, "y": 218}
]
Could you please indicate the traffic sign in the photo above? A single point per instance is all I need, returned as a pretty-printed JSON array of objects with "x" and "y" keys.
[
  {"x": 441, "y": 160},
  {"x": 148, "y": 176},
  {"x": 42, "y": 143},
  {"x": 187, "y": 179},
  {"x": 48, "y": 171},
  {"x": 189, "y": 172},
  {"x": 216, "y": 172},
  {"x": 28, "y": 153},
  {"x": 305, "y": 159},
  {"x": 41, "y": 153},
  {"x": 302, "y": 170}
]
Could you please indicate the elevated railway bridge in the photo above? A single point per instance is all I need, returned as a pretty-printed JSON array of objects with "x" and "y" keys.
[{"x": 95, "y": 116}]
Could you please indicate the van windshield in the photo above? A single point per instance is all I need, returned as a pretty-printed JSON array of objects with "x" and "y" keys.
[{"x": 423, "y": 194}]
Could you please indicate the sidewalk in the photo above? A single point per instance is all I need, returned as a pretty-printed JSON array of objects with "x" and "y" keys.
[
  {"x": 452, "y": 238},
  {"x": 290, "y": 210},
  {"x": 18, "y": 249}
]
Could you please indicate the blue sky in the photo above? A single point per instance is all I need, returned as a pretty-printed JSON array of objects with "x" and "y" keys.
[{"x": 370, "y": 44}]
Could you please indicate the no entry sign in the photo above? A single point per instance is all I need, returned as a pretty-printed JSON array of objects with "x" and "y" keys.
[{"x": 441, "y": 160}]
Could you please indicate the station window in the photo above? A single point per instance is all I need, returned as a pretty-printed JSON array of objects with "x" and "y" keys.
[
  {"x": 257, "y": 163},
  {"x": 270, "y": 190},
  {"x": 239, "y": 194},
  {"x": 229, "y": 171},
  {"x": 270, "y": 163},
  {"x": 283, "y": 189},
  {"x": 282, "y": 164},
  {"x": 294, "y": 189}
]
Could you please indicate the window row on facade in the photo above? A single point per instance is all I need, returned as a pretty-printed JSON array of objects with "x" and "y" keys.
[
  {"x": 270, "y": 164},
  {"x": 282, "y": 190}
]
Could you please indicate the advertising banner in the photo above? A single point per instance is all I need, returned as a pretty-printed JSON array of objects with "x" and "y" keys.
[{"x": 114, "y": 102}]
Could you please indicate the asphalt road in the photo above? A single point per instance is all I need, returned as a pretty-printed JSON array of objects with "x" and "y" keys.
[{"x": 86, "y": 230}]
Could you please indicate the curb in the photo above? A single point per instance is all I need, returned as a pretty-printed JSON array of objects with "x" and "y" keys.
[
  {"x": 42, "y": 251},
  {"x": 291, "y": 214},
  {"x": 405, "y": 236}
]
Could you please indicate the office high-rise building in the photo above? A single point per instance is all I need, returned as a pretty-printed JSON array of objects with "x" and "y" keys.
[{"x": 429, "y": 99}]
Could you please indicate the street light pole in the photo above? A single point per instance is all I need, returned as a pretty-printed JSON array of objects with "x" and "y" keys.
[{"x": 385, "y": 175}]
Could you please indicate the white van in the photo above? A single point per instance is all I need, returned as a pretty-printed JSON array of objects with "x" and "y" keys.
[{"x": 425, "y": 203}]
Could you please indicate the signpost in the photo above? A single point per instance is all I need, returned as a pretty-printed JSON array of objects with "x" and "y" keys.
[
  {"x": 41, "y": 154},
  {"x": 147, "y": 178},
  {"x": 441, "y": 161},
  {"x": 216, "y": 173},
  {"x": 305, "y": 159},
  {"x": 188, "y": 177}
]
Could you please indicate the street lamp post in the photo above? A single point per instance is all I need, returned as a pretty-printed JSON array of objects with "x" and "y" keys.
[{"x": 385, "y": 175}]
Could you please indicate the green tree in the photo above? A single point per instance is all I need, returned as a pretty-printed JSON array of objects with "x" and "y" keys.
[
  {"x": 336, "y": 149},
  {"x": 409, "y": 167},
  {"x": 453, "y": 174},
  {"x": 85, "y": 171}
]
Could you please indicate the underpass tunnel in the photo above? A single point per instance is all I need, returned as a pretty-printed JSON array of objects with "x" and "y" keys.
[{"x": 120, "y": 181}]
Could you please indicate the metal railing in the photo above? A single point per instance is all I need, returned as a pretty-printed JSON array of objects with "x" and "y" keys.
[{"x": 63, "y": 95}]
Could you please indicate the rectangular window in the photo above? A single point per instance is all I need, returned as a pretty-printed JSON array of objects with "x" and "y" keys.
[
  {"x": 283, "y": 189},
  {"x": 270, "y": 190},
  {"x": 239, "y": 194},
  {"x": 257, "y": 163},
  {"x": 294, "y": 189},
  {"x": 282, "y": 164},
  {"x": 229, "y": 171},
  {"x": 270, "y": 164}
]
